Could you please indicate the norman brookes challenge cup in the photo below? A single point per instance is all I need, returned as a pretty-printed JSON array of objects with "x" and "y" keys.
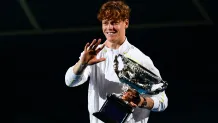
[{"x": 138, "y": 80}]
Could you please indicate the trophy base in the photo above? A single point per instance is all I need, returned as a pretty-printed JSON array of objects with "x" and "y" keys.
[{"x": 114, "y": 110}]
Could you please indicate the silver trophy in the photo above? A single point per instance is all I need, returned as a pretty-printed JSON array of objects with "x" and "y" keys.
[{"x": 136, "y": 79}]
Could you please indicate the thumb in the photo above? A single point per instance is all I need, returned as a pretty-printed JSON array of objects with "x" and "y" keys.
[
  {"x": 133, "y": 104},
  {"x": 100, "y": 60}
]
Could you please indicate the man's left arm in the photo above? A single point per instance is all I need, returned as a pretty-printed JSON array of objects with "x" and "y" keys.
[{"x": 157, "y": 102}]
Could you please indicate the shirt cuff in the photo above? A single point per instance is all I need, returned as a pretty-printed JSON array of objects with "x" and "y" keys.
[
  {"x": 71, "y": 78},
  {"x": 156, "y": 104},
  {"x": 75, "y": 77}
]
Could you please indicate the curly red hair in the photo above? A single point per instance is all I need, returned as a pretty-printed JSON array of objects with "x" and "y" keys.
[{"x": 114, "y": 10}]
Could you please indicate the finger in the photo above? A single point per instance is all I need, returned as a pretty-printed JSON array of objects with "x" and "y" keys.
[
  {"x": 96, "y": 44},
  {"x": 100, "y": 60},
  {"x": 91, "y": 45},
  {"x": 86, "y": 47},
  {"x": 100, "y": 48},
  {"x": 133, "y": 104}
]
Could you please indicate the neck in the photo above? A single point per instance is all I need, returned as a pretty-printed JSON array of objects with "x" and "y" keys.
[{"x": 114, "y": 45}]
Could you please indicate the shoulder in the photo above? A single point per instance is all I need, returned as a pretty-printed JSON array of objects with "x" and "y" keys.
[{"x": 138, "y": 56}]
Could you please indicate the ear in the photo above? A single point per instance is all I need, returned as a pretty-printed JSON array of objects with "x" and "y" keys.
[{"x": 126, "y": 23}]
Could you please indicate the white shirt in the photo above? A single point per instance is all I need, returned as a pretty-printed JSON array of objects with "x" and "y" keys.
[{"x": 103, "y": 81}]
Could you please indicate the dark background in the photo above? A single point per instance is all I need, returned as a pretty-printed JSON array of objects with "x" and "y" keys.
[{"x": 45, "y": 37}]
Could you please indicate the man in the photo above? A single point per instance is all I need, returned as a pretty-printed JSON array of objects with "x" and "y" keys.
[{"x": 96, "y": 62}]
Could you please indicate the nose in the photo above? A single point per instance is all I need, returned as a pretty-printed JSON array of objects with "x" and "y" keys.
[{"x": 110, "y": 26}]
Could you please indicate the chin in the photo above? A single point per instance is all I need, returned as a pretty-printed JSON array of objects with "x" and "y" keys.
[{"x": 112, "y": 40}]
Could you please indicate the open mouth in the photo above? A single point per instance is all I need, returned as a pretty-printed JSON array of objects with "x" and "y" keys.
[{"x": 110, "y": 33}]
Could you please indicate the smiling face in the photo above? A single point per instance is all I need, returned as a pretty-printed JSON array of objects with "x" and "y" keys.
[
  {"x": 114, "y": 16},
  {"x": 115, "y": 31}
]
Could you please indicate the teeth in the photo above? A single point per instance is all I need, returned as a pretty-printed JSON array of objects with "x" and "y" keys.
[{"x": 110, "y": 33}]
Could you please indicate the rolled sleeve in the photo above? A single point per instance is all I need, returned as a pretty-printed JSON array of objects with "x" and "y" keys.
[
  {"x": 156, "y": 103},
  {"x": 73, "y": 80},
  {"x": 160, "y": 102}
]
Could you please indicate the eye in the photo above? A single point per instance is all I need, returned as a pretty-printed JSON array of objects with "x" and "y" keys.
[
  {"x": 115, "y": 23},
  {"x": 104, "y": 23}
]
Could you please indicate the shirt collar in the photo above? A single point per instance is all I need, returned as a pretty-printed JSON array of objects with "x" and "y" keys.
[{"x": 123, "y": 49}]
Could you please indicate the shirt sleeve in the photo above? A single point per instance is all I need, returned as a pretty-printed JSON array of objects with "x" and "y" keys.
[
  {"x": 73, "y": 80},
  {"x": 161, "y": 99},
  {"x": 160, "y": 102}
]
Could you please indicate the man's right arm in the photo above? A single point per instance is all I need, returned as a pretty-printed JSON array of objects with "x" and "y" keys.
[
  {"x": 79, "y": 67},
  {"x": 77, "y": 74}
]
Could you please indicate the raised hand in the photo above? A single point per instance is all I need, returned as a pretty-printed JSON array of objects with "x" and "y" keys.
[{"x": 91, "y": 51}]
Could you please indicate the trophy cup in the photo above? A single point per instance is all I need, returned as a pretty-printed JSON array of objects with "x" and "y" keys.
[{"x": 136, "y": 79}]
